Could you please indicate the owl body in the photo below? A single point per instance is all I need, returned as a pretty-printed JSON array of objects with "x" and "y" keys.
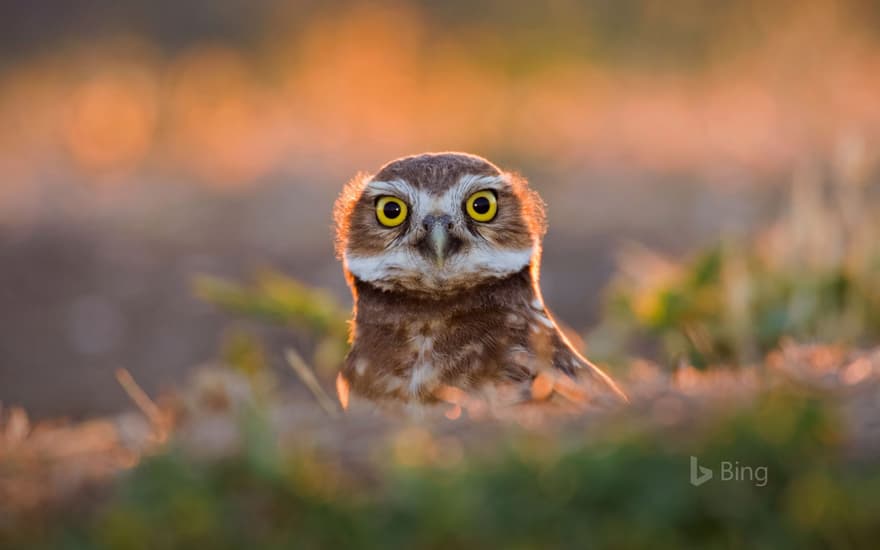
[{"x": 441, "y": 252}]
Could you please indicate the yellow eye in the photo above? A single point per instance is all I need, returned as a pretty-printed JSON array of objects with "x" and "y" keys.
[
  {"x": 482, "y": 206},
  {"x": 390, "y": 211}
]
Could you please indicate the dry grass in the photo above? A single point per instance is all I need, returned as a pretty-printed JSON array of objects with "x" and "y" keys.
[{"x": 52, "y": 462}]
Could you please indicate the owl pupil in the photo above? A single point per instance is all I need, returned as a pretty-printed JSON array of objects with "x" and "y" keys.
[
  {"x": 481, "y": 205},
  {"x": 391, "y": 210}
]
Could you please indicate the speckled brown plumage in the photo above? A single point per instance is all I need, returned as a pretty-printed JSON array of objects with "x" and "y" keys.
[{"x": 455, "y": 304}]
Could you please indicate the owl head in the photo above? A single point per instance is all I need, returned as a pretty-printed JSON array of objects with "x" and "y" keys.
[{"x": 438, "y": 224}]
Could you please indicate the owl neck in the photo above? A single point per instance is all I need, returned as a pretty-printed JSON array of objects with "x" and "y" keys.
[{"x": 372, "y": 303}]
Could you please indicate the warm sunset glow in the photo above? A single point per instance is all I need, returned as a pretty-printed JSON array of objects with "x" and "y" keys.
[
  {"x": 222, "y": 123},
  {"x": 379, "y": 82},
  {"x": 112, "y": 121},
  {"x": 657, "y": 327}
]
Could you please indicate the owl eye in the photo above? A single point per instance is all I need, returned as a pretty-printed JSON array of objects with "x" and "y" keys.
[
  {"x": 482, "y": 206},
  {"x": 390, "y": 211}
]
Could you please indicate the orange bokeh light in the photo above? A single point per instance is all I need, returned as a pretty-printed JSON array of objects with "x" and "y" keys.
[
  {"x": 112, "y": 121},
  {"x": 352, "y": 86},
  {"x": 222, "y": 121}
]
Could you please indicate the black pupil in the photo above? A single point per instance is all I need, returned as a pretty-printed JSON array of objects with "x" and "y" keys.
[
  {"x": 481, "y": 205},
  {"x": 391, "y": 210}
]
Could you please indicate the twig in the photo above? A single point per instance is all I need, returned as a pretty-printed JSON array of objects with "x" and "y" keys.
[
  {"x": 305, "y": 374},
  {"x": 17, "y": 426},
  {"x": 142, "y": 400}
]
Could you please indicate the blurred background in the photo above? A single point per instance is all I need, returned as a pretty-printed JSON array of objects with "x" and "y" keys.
[{"x": 145, "y": 143}]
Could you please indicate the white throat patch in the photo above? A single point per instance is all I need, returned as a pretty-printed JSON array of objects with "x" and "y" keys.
[{"x": 480, "y": 262}]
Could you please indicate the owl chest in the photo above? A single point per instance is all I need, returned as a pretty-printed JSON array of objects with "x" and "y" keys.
[
  {"x": 414, "y": 357},
  {"x": 432, "y": 355},
  {"x": 426, "y": 365}
]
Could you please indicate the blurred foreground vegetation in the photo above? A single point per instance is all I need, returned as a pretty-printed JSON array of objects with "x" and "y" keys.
[
  {"x": 618, "y": 485},
  {"x": 813, "y": 276},
  {"x": 274, "y": 298}
]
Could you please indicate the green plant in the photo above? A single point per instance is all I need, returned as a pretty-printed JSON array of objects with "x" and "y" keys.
[
  {"x": 814, "y": 275},
  {"x": 620, "y": 487},
  {"x": 278, "y": 299}
]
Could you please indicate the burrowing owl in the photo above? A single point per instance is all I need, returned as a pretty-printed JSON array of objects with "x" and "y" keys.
[{"x": 442, "y": 253}]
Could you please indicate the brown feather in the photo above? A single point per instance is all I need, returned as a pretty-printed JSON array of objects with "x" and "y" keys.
[{"x": 411, "y": 341}]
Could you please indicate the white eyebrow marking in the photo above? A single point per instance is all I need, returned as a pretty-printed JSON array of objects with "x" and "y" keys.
[
  {"x": 472, "y": 182},
  {"x": 399, "y": 188},
  {"x": 448, "y": 201}
]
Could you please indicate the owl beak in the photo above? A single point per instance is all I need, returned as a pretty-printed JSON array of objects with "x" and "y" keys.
[{"x": 437, "y": 238}]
